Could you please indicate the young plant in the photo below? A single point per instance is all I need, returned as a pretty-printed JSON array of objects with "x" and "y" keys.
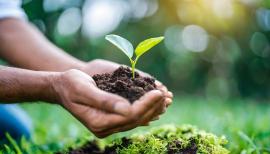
[{"x": 125, "y": 46}]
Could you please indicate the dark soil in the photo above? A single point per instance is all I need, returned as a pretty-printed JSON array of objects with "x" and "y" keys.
[
  {"x": 87, "y": 148},
  {"x": 121, "y": 82},
  {"x": 175, "y": 147},
  {"x": 92, "y": 148}
]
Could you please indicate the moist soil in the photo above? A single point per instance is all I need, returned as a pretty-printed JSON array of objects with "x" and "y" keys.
[
  {"x": 91, "y": 147},
  {"x": 120, "y": 82}
]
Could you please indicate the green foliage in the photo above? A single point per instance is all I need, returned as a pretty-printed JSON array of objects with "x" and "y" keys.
[
  {"x": 158, "y": 139},
  {"x": 14, "y": 144},
  {"x": 121, "y": 43},
  {"x": 125, "y": 46},
  {"x": 235, "y": 57},
  {"x": 144, "y": 145},
  {"x": 229, "y": 118},
  {"x": 147, "y": 45}
]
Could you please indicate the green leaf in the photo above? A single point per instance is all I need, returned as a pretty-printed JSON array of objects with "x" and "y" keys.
[
  {"x": 14, "y": 144},
  {"x": 121, "y": 43},
  {"x": 147, "y": 45}
]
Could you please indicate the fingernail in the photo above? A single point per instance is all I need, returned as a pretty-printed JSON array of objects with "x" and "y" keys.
[
  {"x": 168, "y": 101},
  {"x": 170, "y": 94},
  {"x": 122, "y": 108}
]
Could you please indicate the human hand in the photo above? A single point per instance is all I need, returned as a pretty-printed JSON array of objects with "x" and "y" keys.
[
  {"x": 101, "y": 112},
  {"x": 100, "y": 66}
]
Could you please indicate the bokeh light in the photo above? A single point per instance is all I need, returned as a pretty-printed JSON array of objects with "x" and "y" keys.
[
  {"x": 69, "y": 21},
  {"x": 251, "y": 2},
  {"x": 259, "y": 44},
  {"x": 216, "y": 48},
  {"x": 173, "y": 39},
  {"x": 195, "y": 38},
  {"x": 138, "y": 9},
  {"x": 222, "y": 8},
  {"x": 217, "y": 16},
  {"x": 53, "y": 5},
  {"x": 263, "y": 18},
  {"x": 102, "y": 16}
]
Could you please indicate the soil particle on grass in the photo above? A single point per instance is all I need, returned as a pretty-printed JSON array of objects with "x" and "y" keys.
[{"x": 121, "y": 82}]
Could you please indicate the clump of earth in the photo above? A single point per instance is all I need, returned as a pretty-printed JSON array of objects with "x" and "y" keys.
[
  {"x": 168, "y": 139},
  {"x": 120, "y": 82}
]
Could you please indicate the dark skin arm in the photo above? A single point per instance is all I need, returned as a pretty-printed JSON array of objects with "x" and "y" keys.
[
  {"x": 101, "y": 112},
  {"x": 24, "y": 85},
  {"x": 22, "y": 45}
]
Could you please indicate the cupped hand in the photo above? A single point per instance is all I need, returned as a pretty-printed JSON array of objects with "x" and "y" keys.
[
  {"x": 101, "y": 112},
  {"x": 100, "y": 66}
]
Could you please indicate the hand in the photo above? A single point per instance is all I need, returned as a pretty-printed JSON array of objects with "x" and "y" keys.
[
  {"x": 101, "y": 112},
  {"x": 100, "y": 66}
]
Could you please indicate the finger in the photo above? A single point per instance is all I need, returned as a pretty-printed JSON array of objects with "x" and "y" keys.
[
  {"x": 142, "y": 121},
  {"x": 143, "y": 118},
  {"x": 147, "y": 117},
  {"x": 164, "y": 89},
  {"x": 168, "y": 102},
  {"x": 105, "y": 101},
  {"x": 146, "y": 102},
  {"x": 157, "y": 110},
  {"x": 158, "y": 83},
  {"x": 170, "y": 94},
  {"x": 165, "y": 92},
  {"x": 99, "y": 121}
]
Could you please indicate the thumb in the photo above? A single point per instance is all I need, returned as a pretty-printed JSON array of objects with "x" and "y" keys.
[{"x": 108, "y": 102}]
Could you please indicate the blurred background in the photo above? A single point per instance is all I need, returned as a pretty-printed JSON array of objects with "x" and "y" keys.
[
  {"x": 213, "y": 48},
  {"x": 215, "y": 58}
]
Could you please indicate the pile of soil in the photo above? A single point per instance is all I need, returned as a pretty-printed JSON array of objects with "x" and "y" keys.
[
  {"x": 120, "y": 82},
  {"x": 167, "y": 139},
  {"x": 175, "y": 147}
]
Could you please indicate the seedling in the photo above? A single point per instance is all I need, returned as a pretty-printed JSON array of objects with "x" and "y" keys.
[{"x": 125, "y": 46}]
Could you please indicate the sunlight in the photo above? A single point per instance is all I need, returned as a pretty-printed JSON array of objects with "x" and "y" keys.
[
  {"x": 101, "y": 17},
  {"x": 214, "y": 15}
]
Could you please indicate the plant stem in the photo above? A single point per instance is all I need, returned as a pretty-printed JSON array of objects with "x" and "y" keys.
[
  {"x": 133, "y": 69},
  {"x": 133, "y": 64}
]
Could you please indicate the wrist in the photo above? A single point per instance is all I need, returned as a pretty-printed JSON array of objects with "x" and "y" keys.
[
  {"x": 20, "y": 85},
  {"x": 49, "y": 93}
]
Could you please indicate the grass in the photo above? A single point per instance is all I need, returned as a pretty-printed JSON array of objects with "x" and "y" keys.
[{"x": 245, "y": 123}]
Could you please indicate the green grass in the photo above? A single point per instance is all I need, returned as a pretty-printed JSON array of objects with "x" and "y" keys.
[{"x": 245, "y": 123}]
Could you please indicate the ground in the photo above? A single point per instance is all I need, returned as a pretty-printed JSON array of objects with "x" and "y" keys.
[{"x": 245, "y": 123}]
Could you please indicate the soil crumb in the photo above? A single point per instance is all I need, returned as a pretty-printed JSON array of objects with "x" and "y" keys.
[{"x": 121, "y": 82}]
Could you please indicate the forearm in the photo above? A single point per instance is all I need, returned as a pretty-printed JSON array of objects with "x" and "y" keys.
[
  {"x": 24, "y": 46},
  {"x": 18, "y": 85}
]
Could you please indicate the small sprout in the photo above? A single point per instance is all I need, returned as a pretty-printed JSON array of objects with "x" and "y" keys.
[{"x": 125, "y": 46}]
